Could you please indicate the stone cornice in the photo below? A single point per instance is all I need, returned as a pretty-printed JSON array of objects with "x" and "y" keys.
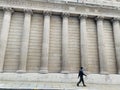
[
  {"x": 103, "y": 4},
  {"x": 95, "y": 3},
  {"x": 58, "y": 8},
  {"x": 33, "y": 2}
]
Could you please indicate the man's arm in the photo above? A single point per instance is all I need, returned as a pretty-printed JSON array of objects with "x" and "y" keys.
[{"x": 84, "y": 73}]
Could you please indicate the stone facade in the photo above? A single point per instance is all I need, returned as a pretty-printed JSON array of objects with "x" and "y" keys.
[{"x": 59, "y": 37}]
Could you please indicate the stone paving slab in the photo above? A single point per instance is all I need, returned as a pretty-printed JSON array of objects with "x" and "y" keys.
[
  {"x": 17, "y": 85},
  {"x": 56, "y": 77}
]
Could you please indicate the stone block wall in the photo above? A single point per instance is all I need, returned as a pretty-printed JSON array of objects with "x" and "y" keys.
[
  {"x": 73, "y": 44},
  {"x": 13, "y": 48},
  {"x": 1, "y": 18},
  {"x": 109, "y": 46},
  {"x": 93, "y": 57},
  {"x": 12, "y": 56},
  {"x": 55, "y": 41},
  {"x": 46, "y": 52},
  {"x": 35, "y": 43}
]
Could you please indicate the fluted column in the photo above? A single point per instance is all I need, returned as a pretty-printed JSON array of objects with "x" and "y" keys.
[
  {"x": 25, "y": 41},
  {"x": 65, "y": 43},
  {"x": 83, "y": 40},
  {"x": 101, "y": 45},
  {"x": 116, "y": 30},
  {"x": 45, "y": 43},
  {"x": 4, "y": 35}
]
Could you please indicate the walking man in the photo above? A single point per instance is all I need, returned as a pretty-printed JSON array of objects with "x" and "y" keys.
[{"x": 81, "y": 74}]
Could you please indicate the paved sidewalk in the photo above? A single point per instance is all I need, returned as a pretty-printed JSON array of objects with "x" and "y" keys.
[{"x": 10, "y": 85}]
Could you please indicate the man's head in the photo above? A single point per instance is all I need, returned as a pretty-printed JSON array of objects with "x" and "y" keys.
[{"x": 81, "y": 67}]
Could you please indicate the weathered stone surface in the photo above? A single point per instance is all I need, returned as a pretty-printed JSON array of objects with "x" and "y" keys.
[{"x": 55, "y": 41}]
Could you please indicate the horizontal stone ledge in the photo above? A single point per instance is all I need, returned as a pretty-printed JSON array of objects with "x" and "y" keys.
[
  {"x": 58, "y": 77},
  {"x": 89, "y": 3},
  {"x": 59, "y": 12}
]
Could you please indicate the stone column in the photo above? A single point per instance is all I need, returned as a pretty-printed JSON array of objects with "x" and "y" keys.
[
  {"x": 25, "y": 41},
  {"x": 65, "y": 43},
  {"x": 83, "y": 40},
  {"x": 4, "y": 35},
  {"x": 101, "y": 46},
  {"x": 116, "y": 30},
  {"x": 45, "y": 43}
]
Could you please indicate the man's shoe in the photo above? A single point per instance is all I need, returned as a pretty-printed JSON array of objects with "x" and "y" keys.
[
  {"x": 84, "y": 85},
  {"x": 78, "y": 85}
]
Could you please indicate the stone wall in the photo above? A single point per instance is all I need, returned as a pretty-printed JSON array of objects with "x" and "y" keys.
[
  {"x": 73, "y": 44},
  {"x": 55, "y": 49},
  {"x": 35, "y": 43},
  {"x": 109, "y": 46},
  {"x": 38, "y": 36},
  {"x": 12, "y": 55},
  {"x": 93, "y": 58},
  {"x": 1, "y": 18}
]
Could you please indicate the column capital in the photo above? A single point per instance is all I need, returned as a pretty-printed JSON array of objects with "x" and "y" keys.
[
  {"x": 99, "y": 18},
  {"x": 115, "y": 19},
  {"x": 83, "y": 16},
  {"x": 8, "y": 9},
  {"x": 47, "y": 13},
  {"x": 65, "y": 14},
  {"x": 29, "y": 11}
]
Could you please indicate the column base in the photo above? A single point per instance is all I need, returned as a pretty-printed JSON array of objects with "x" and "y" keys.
[
  {"x": 64, "y": 72},
  {"x": 104, "y": 73},
  {"x": 21, "y": 71},
  {"x": 43, "y": 71}
]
